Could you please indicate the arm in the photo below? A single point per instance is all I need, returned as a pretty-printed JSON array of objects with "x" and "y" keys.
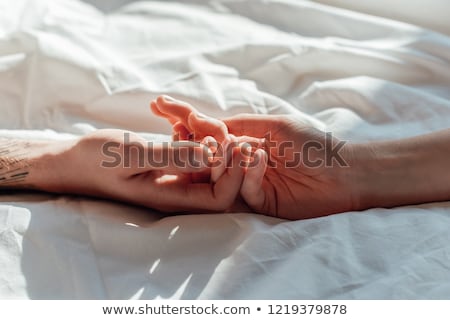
[
  {"x": 21, "y": 162},
  {"x": 405, "y": 171},
  {"x": 120, "y": 165},
  {"x": 377, "y": 174}
]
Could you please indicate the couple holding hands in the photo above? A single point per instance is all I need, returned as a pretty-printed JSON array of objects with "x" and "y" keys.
[{"x": 268, "y": 164}]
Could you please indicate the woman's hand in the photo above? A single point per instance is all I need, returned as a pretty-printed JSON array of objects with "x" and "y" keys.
[{"x": 121, "y": 165}]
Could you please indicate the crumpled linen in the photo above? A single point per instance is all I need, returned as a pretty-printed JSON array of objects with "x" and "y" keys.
[{"x": 66, "y": 69}]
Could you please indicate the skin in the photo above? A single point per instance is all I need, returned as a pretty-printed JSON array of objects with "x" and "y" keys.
[
  {"x": 375, "y": 174},
  {"x": 80, "y": 167},
  {"x": 270, "y": 186},
  {"x": 380, "y": 174}
]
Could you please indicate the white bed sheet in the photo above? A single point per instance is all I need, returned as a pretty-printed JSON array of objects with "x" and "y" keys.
[{"x": 66, "y": 69}]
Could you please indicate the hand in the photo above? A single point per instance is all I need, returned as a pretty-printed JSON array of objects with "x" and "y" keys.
[
  {"x": 121, "y": 165},
  {"x": 300, "y": 173}
]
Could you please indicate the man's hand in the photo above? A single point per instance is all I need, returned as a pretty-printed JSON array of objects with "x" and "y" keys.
[
  {"x": 121, "y": 165},
  {"x": 300, "y": 172}
]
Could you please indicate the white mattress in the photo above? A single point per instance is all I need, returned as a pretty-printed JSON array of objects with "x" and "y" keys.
[{"x": 67, "y": 68}]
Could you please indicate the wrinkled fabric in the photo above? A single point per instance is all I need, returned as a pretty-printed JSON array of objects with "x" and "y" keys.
[{"x": 67, "y": 68}]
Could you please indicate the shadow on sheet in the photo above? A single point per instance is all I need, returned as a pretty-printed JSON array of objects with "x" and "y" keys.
[{"x": 90, "y": 249}]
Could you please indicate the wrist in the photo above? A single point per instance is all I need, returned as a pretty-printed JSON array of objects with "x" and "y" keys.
[
  {"x": 391, "y": 173},
  {"x": 49, "y": 166},
  {"x": 18, "y": 159}
]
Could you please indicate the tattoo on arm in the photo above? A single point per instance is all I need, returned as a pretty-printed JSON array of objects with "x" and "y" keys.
[{"x": 14, "y": 166}]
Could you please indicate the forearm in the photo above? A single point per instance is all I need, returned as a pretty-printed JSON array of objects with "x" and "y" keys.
[
  {"x": 27, "y": 164},
  {"x": 406, "y": 171}
]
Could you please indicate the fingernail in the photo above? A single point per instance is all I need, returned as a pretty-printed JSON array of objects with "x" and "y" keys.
[
  {"x": 212, "y": 147},
  {"x": 211, "y": 143},
  {"x": 168, "y": 98},
  {"x": 210, "y": 154}
]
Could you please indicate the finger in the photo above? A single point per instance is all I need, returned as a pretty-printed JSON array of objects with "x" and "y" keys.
[
  {"x": 180, "y": 132},
  {"x": 255, "y": 125},
  {"x": 252, "y": 186},
  {"x": 255, "y": 143},
  {"x": 203, "y": 125},
  {"x": 177, "y": 156},
  {"x": 222, "y": 158},
  {"x": 195, "y": 122},
  {"x": 205, "y": 177},
  {"x": 211, "y": 143},
  {"x": 154, "y": 108},
  {"x": 174, "y": 110},
  {"x": 222, "y": 194},
  {"x": 225, "y": 188},
  {"x": 174, "y": 195}
]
